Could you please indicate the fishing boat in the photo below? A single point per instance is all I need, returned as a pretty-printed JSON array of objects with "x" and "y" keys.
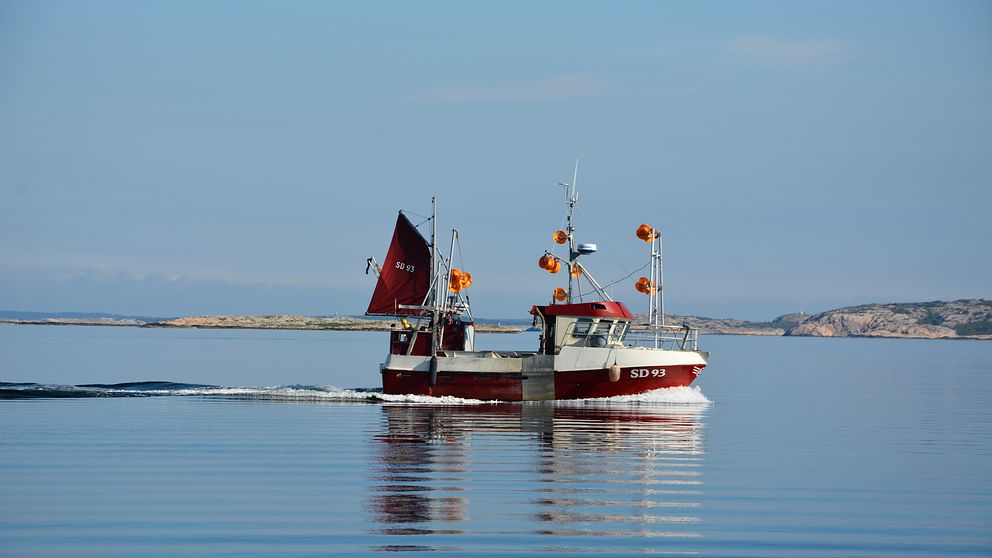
[{"x": 589, "y": 346}]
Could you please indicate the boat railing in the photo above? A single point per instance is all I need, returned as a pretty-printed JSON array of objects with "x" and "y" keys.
[{"x": 672, "y": 338}]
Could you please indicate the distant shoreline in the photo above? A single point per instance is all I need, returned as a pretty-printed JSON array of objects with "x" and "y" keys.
[
  {"x": 245, "y": 322},
  {"x": 509, "y": 330},
  {"x": 960, "y": 319}
]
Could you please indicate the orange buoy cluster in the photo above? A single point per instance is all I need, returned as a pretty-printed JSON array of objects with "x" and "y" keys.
[
  {"x": 576, "y": 270},
  {"x": 646, "y": 286},
  {"x": 549, "y": 263},
  {"x": 647, "y": 233},
  {"x": 559, "y": 294},
  {"x": 459, "y": 280},
  {"x": 560, "y": 237}
]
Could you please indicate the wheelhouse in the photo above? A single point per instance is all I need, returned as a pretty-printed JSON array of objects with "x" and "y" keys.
[{"x": 591, "y": 324}]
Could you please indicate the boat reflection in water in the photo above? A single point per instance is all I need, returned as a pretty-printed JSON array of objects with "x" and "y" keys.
[{"x": 538, "y": 477}]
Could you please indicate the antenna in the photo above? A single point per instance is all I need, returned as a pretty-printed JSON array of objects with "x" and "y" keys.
[
  {"x": 571, "y": 197},
  {"x": 575, "y": 180}
]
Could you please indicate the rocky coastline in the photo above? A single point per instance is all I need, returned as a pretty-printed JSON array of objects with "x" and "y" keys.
[{"x": 958, "y": 319}]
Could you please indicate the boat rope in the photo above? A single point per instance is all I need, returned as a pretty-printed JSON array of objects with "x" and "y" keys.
[
  {"x": 625, "y": 277},
  {"x": 607, "y": 246}
]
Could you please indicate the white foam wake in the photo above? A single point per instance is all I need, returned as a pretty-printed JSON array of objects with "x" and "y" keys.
[
  {"x": 308, "y": 393},
  {"x": 675, "y": 395},
  {"x": 680, "y": 395}
]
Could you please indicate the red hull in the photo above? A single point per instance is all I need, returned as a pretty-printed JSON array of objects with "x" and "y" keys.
[
  {"x": 596, "y": 383},
  {"x": 577, "y": 384},
  {"x": 467, "y": 385}
]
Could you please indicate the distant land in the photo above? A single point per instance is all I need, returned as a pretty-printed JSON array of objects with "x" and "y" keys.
[
  {"x": 959, "y": 319},
  {"x": 75, "y": 318},
  {"x": 342, "y": 323}
]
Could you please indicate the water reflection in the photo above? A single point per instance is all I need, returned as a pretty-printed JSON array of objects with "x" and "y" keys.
[{"x": 618, "y": 478}]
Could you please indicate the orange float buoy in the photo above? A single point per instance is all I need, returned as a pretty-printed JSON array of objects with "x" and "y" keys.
[
  {"x": 555, "y": 266},
  {"x": 560, "y": 294},
  {"x": 544, "y": 262},
  {"x": 455, "y": 281},
  {"x": 644, "y": 232},
  {"x": 560, "y": 237},
  {"x": 643, "y": 285},
  {"x": 576, "y": 270},
  {"x": 466, "y": 280}
]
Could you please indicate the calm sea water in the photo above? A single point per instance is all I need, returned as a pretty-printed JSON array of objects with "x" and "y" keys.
[{"x": 790, "y": 447}]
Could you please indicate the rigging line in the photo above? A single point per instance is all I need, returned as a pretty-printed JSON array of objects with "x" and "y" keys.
[
  {"x": 561, "y": 226},
  {"x": 417, "y": 226},
  {"x": 427, "y": 217},
  {"x": 628, "y": 276},
  {"x": 607, "y": 246},
  {"x": 424, "y": 217},
  {"x": 682, "y": 310},
  {"x": 461, "y": 260}
]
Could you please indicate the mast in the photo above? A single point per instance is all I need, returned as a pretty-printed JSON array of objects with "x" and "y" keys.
[
  {"x": 448, "y": 302},
  {"x": 446, "y": 308},
  {"x": 434, "y": 277},
  {"x": 661, "y": 283},
  {"x": 571, "y": 197},
  {"x": 656, "y": 298}
]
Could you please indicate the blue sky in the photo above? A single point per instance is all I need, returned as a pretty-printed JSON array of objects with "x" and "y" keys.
[{"x": 169, "y": 158}]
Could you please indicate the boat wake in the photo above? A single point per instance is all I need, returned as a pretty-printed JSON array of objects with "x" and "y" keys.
[
  {"x": 680, "y": 395},
  {"x": 302, "y": 393}
]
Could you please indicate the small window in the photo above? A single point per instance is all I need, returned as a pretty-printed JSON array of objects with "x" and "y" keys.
[
  {"x": 582, "y": 327},
  {"x": 619, "y": 332}
]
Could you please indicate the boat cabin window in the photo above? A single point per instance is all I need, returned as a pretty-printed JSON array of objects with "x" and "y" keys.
[
  {"x": 597, "y": 332},
  {"x": 582, "y": 327},
  {"x": 619, "y": 332}
]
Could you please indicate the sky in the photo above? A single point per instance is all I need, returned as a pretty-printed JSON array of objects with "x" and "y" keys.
[{"x": 173, "y": 158}]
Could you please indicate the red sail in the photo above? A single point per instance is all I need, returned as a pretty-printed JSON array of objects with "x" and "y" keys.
[{"x": 406, "y": 272}]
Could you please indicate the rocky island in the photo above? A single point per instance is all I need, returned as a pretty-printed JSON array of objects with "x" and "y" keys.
[
  {"x": 959, "y": 319},
  {"x": 969, "y": 319}
]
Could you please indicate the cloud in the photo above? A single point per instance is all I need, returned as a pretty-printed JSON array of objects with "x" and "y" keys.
[
  {"x": 573, "y": 86},
  {"x": 795, "y": 53}
]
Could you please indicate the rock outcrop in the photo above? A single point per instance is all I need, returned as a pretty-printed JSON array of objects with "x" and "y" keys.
[
  {"x": 789, "y": 320},
  {"x": 720, "y": 326},
  {"x": 925, "y": 320},
  {"x": 728, "y": 326}
]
